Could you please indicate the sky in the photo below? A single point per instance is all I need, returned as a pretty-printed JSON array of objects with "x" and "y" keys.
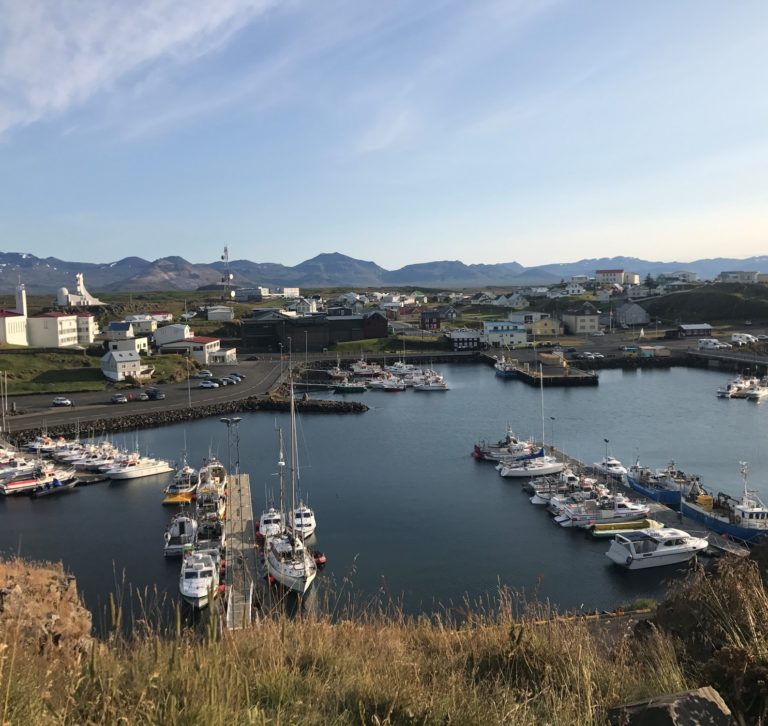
[{"x": 398, "y": 132}]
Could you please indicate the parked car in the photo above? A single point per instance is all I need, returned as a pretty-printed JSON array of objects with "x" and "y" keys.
[
  {"x": 231, "y": 379},
  {"x": 237, "y": 375},
  {"x": 204, "y": 374},
  {"x": 597, "y": 355},
  {"x": 220, "y": 381},
  {"x": 62, "y": 401},
  {"x": 207, "y": 384},
  {"x": 155, "y": 394},
  {"x": 599, "y": 332},
  {"x": 119, "y": 398},
  {"x": 141, "y": 396}
]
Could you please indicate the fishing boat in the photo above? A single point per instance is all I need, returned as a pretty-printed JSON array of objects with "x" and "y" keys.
[
  {"x": 611, "y": 529},
  {"x": 613, "y": 508},
  {"x": 27, "y": 480},
  {"x": 363, "y": 368},
  {"x": 665, "y": 486},
  {"x": 758, "y": 391},
  {"x": 648, "y": 548},
  {"x": 183, "y": 488},
  {"x": 432, "y": 383},
  {"x": 199, "y": 578},
  {"x": 288, "y": 561},
  {"x": 214, "y": 473},
  {"x": 336, "y": 372},
  {"x": 61, "y": 482},
  {"x": 180, "y": 536},
  {"x": 744, "y": 518},
  {"x": 737, "y": 387},
  {"x": 505, "y": 367},
  {"x": 511, "y": 446}
]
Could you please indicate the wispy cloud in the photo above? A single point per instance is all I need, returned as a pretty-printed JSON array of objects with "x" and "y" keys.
[{"x": 57, "y": 54}]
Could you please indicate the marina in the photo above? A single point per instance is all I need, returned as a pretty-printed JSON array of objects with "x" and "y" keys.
[{"x": 378, "y": 465}]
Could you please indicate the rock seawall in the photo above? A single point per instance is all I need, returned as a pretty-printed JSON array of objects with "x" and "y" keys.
[{"x": 153, "y": 419}]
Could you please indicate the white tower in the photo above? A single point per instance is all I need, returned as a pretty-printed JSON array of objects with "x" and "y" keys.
[{"x": 21, "y": 299}]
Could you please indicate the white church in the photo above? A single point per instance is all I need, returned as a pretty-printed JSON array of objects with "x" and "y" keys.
[{"x": 46, "y": 330}]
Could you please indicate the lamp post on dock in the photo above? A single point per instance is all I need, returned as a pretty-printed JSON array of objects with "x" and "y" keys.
[{"x": 552, "y": 419}]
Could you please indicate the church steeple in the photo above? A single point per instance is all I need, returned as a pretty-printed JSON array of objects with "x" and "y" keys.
[{"x": 21, "y": 298}]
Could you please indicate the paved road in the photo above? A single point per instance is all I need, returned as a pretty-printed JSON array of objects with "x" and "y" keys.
[{"x": 36, "y": 410}]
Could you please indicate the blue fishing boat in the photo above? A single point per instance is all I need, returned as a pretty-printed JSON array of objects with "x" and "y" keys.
[
  {"x": 666, "y": 486},
  {"x": 744, "y": 518}
]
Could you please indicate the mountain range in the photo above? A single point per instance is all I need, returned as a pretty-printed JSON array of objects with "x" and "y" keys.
[{"x": 133, "y": 274}]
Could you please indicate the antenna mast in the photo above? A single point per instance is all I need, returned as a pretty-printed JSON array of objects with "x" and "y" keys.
[{"x": 226, "y": 278}]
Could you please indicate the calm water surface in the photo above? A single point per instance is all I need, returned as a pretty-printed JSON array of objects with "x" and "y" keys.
[{"x": 403, "y": 510}]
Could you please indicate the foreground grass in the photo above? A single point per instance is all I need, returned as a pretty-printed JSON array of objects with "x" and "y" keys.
[{"x": 492, "y": 667}]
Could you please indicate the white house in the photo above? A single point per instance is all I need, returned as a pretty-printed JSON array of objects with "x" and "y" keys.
[
  {"x": 638, "y": 292},
  {"x": 503, "y": 332},
  {"x": 302, "y": 306},
  {"x": 742, "y": 276},
  {"x": 220, "y": 312},
  {"x": 52, "y": 330},
  {"x": 117, "y": 365},
  {"x": 139, "y": 345},
  {"x": 574, "y": 288},
  {"x": 205, "y": 350},
  {"x": 119, "y": 330},
  {"x": 142, "y": 324},
  {"x": 632, "y": 314},
  {"x": 171, "y": 333},
  {"x": 608, "y": 277},
  {"x": 516, "y": 301}
]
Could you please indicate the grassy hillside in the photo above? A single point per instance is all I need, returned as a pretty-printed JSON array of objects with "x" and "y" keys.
[
  {"x": 716, "y": 304},
  {"x": 494, "y": 666}
]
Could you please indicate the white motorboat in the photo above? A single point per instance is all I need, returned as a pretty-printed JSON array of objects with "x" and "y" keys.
[
  {"x": 199, "y": 578},
  {"x": 184, "y": 485},
  {"x": 302, "y": 521},
  {"x": 28, "y": 481},
  {"x": 272, "y": 521},
  {"x": 758, "y": 391},
  {"x": 213, "y": 472},
  {"x": 433, "y": 383},
  {"x": 530, "y": 467},
  {"x": 610, "y": 467},
  {"x": 288, "y": 561},
  {"x": 181, "y": 535},
  {"x": 613, "y": 508},
  {"x": 647, "y": 548},
  {"x": 737, "y": 387},
  {"x": 363, "y": 368},
  {"x": 137, "y": 468}
]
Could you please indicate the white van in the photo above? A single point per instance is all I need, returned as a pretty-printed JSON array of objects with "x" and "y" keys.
[
  {"x": 743, "y": 339},
  {"x": 709, "y": 344}
]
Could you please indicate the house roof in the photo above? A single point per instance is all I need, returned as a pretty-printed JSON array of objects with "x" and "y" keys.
[
  {"x": 120, "y": 326},
  {"x": 696, "y": 326},
  {"x": 9, "y": 314},
  {"x": 53, "y": 314},
  {"x": 85, "y": 315},
  {"x": 122, "y": 356},
  {"x": 200, "y": 339}
]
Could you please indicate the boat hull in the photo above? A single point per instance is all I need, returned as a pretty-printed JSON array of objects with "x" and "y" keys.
[
  {"x": 646, "y": 562},
  {"x": 667, "y": 497},
  {"x": 716, "y": 524}
]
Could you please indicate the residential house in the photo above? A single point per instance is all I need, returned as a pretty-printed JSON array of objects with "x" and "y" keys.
[
  {"x": 171, "y": 333},
  {"x": 581, "y": 319},
  {"x": 162, "y": 316},
  {"x": 632, "y": 314},
  {"x": 52, "y": 330},
  {"x": 119, "y": 330},
  {"x": 142, "y": 324},
  {"x": 638, "y": 292},
  {"x": 117, "y": 365},
  {"x": 691, "y": 330},
  {"x": 580, "y": 279},
  {"x": 631, "y": 278},
  {"x": 138, "y": 345},
  {"x": 498, "y": 333},
  {"x": 205, "y": 350},
  {"x": 448, "y": 313},
  {"x": 574, "y": 288},
  {"x": 516, "y": 301},
  {"x": 302, "y": 306}
]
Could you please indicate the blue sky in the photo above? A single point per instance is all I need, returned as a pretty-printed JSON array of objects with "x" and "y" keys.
[{"x": 397, "y": 132}]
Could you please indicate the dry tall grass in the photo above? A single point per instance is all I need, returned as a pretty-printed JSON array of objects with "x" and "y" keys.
[{"x": 372, "y": 668}]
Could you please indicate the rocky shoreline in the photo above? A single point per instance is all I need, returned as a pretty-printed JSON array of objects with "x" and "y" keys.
[{"x": 119, "y": 424}]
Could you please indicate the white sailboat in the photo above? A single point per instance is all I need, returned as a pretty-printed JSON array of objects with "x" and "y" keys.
[{"x": 288, "y": 560}]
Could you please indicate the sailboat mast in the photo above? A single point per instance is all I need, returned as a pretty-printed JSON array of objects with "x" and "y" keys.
[
  {"x": 280, "y": 467},
  {"x": 541, "y": 386},
  {"x": 294, "y": 467}
]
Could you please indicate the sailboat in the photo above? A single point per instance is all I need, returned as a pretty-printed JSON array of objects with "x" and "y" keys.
[
  {"x": 272, "y": 521},
  {"x": 288, "y": 560},
  {"x": 539, "y": 466}
]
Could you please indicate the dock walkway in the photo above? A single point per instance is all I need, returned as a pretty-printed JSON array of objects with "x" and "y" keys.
[{"x": 241, "y": 553}]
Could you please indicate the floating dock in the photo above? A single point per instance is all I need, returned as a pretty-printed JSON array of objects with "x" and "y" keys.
[
  {"x": 550, "y": 370},
  {"x": 241, "y": 570}
]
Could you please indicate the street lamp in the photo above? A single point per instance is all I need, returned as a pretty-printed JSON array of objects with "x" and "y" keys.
[
  {"x": 230, "y": 422},
  {"x": 305, "y": 349},
  {"x": 552, "y": 442}
]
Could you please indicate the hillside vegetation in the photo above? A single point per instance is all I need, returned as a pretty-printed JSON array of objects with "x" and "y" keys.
[
  {"x": 716, "y": 304},
  {"x": 492, "y": 667}
]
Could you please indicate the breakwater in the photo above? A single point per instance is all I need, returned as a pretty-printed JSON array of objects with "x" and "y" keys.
[{"x": 154, "y": 419}]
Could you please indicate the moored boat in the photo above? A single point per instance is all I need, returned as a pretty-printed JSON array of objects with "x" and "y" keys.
[
  {"x": 180, "y": 536},
  {"x": 665, "y": 486},
  {"x": 530, "y": 467},
  {"x": 610, "y": 529},
  {"x": 199, "y": 578},
  {"x": 647, "y": 548}
]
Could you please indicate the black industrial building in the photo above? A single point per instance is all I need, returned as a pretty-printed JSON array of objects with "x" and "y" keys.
[{"x": 271, "y": 331}]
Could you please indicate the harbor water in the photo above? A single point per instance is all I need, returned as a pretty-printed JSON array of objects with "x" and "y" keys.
[{"x": 404, "y": 512}]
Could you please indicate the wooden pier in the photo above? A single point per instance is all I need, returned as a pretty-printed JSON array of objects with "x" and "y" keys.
[
  {"x": 547, "y": 372},
  {"x": 241, "y": 570}
]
